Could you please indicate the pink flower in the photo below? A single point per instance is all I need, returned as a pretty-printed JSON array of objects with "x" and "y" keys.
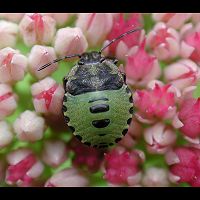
[
  {"x": 182, "y": 74},
  {"x": 159, "y": 138},
  {"x": 95, "y": 26},
  {"x": 67, "y": 178},
  {"x": 133, "y": 135},
  {"x": 12, "y": 65},
  {"x": 6, "y": 135},
  {"x": 37, "y": 29},
  {"x": 141, "y": 67},
  {"x": 174, "y": 20},
  {"x": 184, "y": 165},
  {"x": 155, "y": 177},
  {"x": 39, "y": 56},
  {"x": 121, "y": 47},
  {"x": 47, "y": 96},
  {"x": 70, "y": 41},
  {"x": 164, "y": 41},
  {"x": 190, "y": 47},
  {"x": 54, "y": 153},
  {"x": 8, "y": 34},
  {"x": 196, "y": 17},
  {"x": 8, "y": 101},
  {"x": 60, "y": 18},
  {"x": 122, "y": 167},
  {"x": 29, "y": 126},
  {"x": 14, "y": 17},
  {"x": 23, "y": 168},
  {"x": 86, "y": 156},
  {"x": 155, "y": 103},
  {"x": 188, "y": 119}
]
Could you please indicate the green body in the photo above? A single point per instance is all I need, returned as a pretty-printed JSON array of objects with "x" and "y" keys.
[{"x": 81, "y": 118}]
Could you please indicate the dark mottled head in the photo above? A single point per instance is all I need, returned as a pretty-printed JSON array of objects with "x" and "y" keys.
[{"x": 90, "y": 57}]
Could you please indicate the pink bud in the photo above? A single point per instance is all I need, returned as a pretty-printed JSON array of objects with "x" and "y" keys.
[
  {"x": 6, "y": 134},
  {"x": 29, "y": 126},
  {"x": 141, "y": 67},
  {"x": 8, "y": 101},
  {"x": 164, "y": 41},
  {"x": 37, "y": 29},
  {"x": 182, "y": 74},
  {"x": 70, "y": 41},
  {"x": 121, "y": 47},
  {"x": 85, "y": 156},
  {"x": 12, "y": 65},
  {"x": 155, "y": 103},
  {"x": 54, "y": 153},
  {"x": 67, "y": 178},
  {"x": 133, "y": 135},
  {"x": 39, "y": 56},
  {"x": 8, "y": 34},
  {"x": 47, "y": 96},
  {"x": 13, "y": 17},
  {"x": 95, "y": 26},
  {"x": 155, "y": 177},
  {"x": 122, "y": 167},
  {"x": 60, "y": 18},
  {"x": 190, "y": 46},
  {"x": 189, "y": 116},
  {"x": 23, "y": 168},
  {"x": 159, "y": 138},
  {"x": 187, "y": 167},
  {"x": 174, "y": 20}
]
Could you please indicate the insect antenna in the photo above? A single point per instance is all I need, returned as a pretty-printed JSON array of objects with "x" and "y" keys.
[
  {"x": 119, "y": 37},
  {"x": 57, "y": 60}
]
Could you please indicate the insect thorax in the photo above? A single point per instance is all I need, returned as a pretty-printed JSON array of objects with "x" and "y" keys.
[{"x": 94, "y": 77}]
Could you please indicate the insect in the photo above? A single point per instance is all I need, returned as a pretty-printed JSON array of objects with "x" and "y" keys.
[{"x": 97, "y": 104}]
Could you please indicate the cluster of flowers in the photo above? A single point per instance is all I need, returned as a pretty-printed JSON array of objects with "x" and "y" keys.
[{"x": 162, "y": 69}]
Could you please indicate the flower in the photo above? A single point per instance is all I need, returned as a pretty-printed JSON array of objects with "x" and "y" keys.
[
  {"x": 13, "y": 17},
  {"x": 121, "y": 47},
  {"x": 70, "y": 41},
  {"x": 8, "y": 101},
  {"x": 8, "y": 34},
  {"x": 155, "y": 103},
  {"x": 23, "y": 168},
  {"x": 122, "y": 167},
  {"x": 95, "y": 26},
  {"x": 159, "y": 138},
  {"x": 60, "y": 18},
  {"x": 195, "y": 17},
  {"x": 67, "y": 178},
  {"x": 132, "y": 136},
  {"x": 188, "y": 119},
  {"x": 29, "y": 126},
  {"x": 47, "y": 96},
  {"x": 164, "y": 42},
  {"x": 174, "y": 20},
  {"x": 54, "y": 153},
  {"x": 85, "y": 156},
  {"x": 184, "y": 165},
  {"x": 155, "y": 177},
  {"x": 37, "y": 29},
  {"x": 6, "y": 134},
  {"x": 12, "y": 65},
  {"x": 141, "y": 67},
  {"x": 190, "y": 45},
  {"x": 39, "y": 56},
  {"x": 182, "y": 74}
]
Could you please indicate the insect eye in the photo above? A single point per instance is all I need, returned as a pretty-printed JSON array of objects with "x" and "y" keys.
[{"x": 81, "y": 62}]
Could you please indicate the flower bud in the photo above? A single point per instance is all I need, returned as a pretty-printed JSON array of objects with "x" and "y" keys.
[{"x": 6, "y": 134}]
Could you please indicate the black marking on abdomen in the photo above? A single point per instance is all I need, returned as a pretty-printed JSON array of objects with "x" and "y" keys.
[
  {"x": 97, "y": 99},
  {"x": 102, "y": 134},
  {"x": 131, "y": 110},
  {"x": 131, "y": 99},
  {"x": 78, "y": 137},
  {"x": 99, "y": 108},
  {"x": 65, "y": 98},
  {"x": 64, "y": 108},
  {"x": 66, "y": 119},
  {"x": 101, "y": 123},
  {"x": 129, "y": 121},
  {"x": 125, "y": 131},
  {"x": 117, "y": 140}
]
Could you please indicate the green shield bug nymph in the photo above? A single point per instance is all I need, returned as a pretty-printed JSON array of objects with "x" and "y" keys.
[{"x": 97, "y": 104}]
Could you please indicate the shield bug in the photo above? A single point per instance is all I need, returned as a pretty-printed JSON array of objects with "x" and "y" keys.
[{"x": 97, "y": 104}]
